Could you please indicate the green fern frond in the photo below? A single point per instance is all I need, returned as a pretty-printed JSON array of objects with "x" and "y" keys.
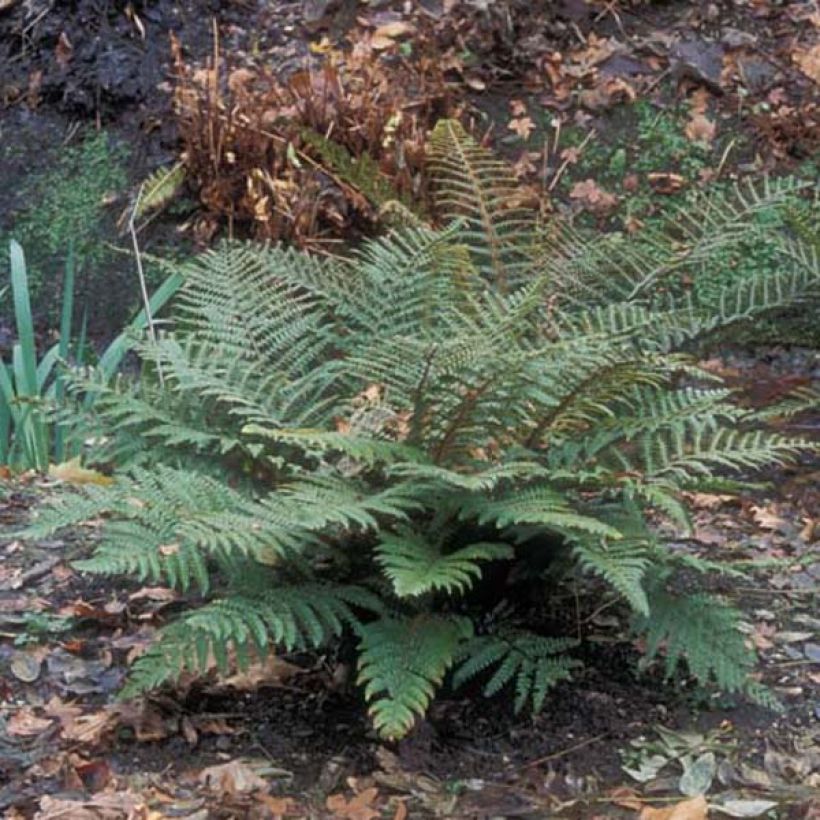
[
  {"x": 702, "y": 631},
  {"x": 532, "y": 663},
  {"x": 415, "y": 566},
  {"x": 473, "y": 186},
  {"x": 800, "y": 400},
  {"x": 159, "y": 189},
  {"x": 402, "y": 663},
  {"x": 361, "y": 172},
  {"x": 700, "y": 448},
  {"x": 622, "y": 565},
  {"x": 543, "y": 506},
  {"x": 291, "y": 617}
]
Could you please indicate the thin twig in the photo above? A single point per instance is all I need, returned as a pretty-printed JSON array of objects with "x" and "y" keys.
[
  {"x": 555, "y": 755},
  {"x": 146, "y": 300},
  {"x": 563, "y": 167}
]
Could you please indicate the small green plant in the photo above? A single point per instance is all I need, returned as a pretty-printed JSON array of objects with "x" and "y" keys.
[
  {"x": 69, "y": 206},
  {"x": 39, "y": 626},
  {"x": 38, "y": 426},
  {"x": 329, "y": 450}
]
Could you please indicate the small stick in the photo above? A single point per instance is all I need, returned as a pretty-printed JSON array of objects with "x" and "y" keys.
[
  {"x": 555, "y": 755},
  {"x": 563, "y": 167},
  {"x": 146, "y": 301},
  {"x": 725, "y": 157}
]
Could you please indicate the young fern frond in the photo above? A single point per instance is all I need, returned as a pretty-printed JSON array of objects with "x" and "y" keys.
[
  {"x": 701, "y": 631},
  {"x": 474, "y": 186},
  {"x": 402, "y": 663},
  {"x": 415, "y": 566},
  {"x": 531, "y": 663}
]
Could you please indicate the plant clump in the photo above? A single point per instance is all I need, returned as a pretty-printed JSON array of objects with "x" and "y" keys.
[
  {"x": 329, "y": 450},
  {"x": 311, "y": 157}
]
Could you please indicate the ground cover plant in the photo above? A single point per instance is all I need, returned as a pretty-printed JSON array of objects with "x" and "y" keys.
[
  {"x": 69, "y": 206},
  {"x": 41, "y": 426},
  {"x": 343, "y": 451}
]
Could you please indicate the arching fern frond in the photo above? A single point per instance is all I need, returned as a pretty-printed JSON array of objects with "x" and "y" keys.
[
  {"x": 416, "y": 566},
  {"x": 701, "y": 631},
  {"x": 402, "y": 663},
  {"x": 531, "y": 663},
  {"x": 472, "y": 185},
  {"x": 290, "y": 617}
]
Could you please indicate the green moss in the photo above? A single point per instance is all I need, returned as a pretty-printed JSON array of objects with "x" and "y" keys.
[{"x": 69, "y": 205}]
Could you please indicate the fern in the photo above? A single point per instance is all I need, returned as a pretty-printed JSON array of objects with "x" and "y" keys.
[
  {"x": 361, "y": 173},
  {"x": 531, "y": 663},
  {"x": 702, "y": 632},
  {"x": 402, "y": 663},
  {"x": 415, "y": 566},
  {"x": 295, "y": 617},
  {"x": 800, "y": 400},
  {"x": 474, "y": 186},
  {"x": 159, "y": 189},
  {"x": 316, "y": 449}
]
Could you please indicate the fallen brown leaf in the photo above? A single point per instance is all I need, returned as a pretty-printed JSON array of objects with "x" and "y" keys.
[
  {"x": 664, "y": 183},
  {"x": 523, "y": 126},
  {"x": 695, "y": 809},
  {"x": 232, "y": 778},
  {"x": 104, "y": 806},
  {"x": 359, "y": 807},
  {"x": 72, "y": 473},
  {"x": 700, "y": 129},
  {"x": 589, "y": 194},
  {"x": 808, "y": 61},
  {"x": 24, "y": 723}
]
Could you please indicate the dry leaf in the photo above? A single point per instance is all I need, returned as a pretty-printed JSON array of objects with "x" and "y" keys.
[
  {"x": 359, "y": 807},
  {"x": 232, "y": 778},
  {"x": 808, "y": 61},
  {"x": 88, "y": 728},
  {"x": 699, "y": 101},
  {"x": 103, "y": 806},
  {"x": 396, "y": 29},
  {"x": 664, "y": 183},
  {"x": 64, "y": 51},
  {"x": 523, "y": 126},
  {"x": 768, "y": 519},
  {"x": 278, "y": 806},
  {"x": 695, "y": 809},
  {"x": 23, "y": 723},
  {"x": 72, "y": 473},
  {"x": 592, "y": 197},
  {"x": 709, "y": 501},
  {"x": 626, "y": 798},
  {"x": 700, "y": 129},
  {"x": 272, "y": 671},
  {"x": 153, "y": 594}
]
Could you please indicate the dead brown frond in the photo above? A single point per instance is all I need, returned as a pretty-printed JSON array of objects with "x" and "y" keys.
[{"x": 312, "y": 157}]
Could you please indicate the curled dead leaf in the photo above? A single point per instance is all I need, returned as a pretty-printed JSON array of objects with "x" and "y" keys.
[
  {"x": 72, "y": 473},
  {"x": 24, "y": 723},
  {"x": 592, "y": 197},
  {"x": 808, "y": 61},
  {"x": 664, "y": 183},
  {"x": 236, "y": 777},
  {"x": 359, "y": 807}
]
